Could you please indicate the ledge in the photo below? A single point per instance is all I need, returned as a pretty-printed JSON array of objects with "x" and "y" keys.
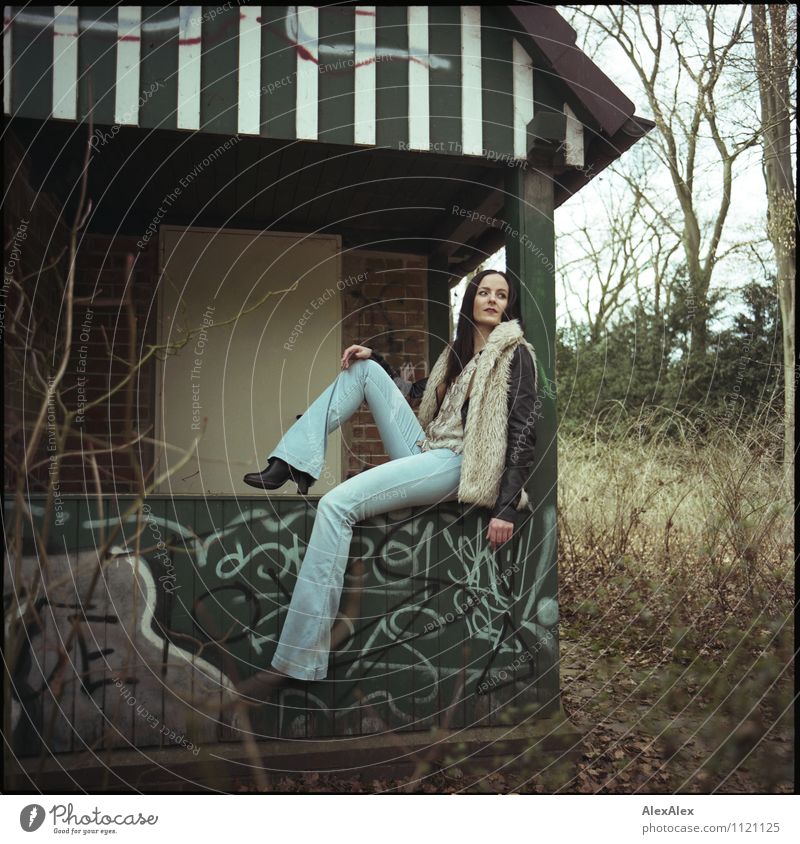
[{"x": 375, "y": 756}]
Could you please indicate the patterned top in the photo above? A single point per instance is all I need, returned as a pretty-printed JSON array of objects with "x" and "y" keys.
[{"x": 445, "y": 429}]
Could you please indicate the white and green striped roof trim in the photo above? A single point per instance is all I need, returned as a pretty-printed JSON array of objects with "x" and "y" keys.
[{"x": 445, "y": 79}]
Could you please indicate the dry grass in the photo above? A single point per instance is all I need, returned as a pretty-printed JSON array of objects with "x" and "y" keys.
[
  {"x": 677, "y": 596},
  {"x": 718, "y": 513}
]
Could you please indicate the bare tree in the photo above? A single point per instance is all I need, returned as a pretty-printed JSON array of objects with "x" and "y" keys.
[
  {"x": 607, "y": 256},
  {"x": 622, "y": 253},
  {"x": 686, "y": 114},
  {"x": 775, "y": 58}
]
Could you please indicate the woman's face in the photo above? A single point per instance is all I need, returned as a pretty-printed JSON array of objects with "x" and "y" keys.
[{"x": 491, "y": 300}]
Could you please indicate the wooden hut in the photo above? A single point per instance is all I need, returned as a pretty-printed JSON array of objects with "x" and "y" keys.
[{"x": 269, "y": 184}]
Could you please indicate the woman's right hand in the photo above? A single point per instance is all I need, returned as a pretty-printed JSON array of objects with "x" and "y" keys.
[{"x": 355, "y": 353}]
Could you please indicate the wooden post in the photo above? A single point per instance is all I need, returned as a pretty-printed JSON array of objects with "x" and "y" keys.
[{"x": 530, "y": 254}]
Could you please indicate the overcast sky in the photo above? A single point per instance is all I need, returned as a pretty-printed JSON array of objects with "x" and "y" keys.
[{"x": 747, "y": 213}]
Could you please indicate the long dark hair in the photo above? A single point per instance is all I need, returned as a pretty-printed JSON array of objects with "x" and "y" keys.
[{"x": 463, "y": 346}]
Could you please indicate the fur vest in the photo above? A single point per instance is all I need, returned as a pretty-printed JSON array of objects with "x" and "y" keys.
[{"x": 485, "y": 434}]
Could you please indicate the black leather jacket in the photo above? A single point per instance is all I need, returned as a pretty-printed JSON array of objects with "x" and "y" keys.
[{"x": 521, "y": 435}]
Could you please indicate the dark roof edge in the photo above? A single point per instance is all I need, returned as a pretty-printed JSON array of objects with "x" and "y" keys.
[
  {"x": 602, "y": 152},
  {"x": 555, "y": 39}
]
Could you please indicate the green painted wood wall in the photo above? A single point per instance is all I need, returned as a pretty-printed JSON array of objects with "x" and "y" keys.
[{"x": 442, "y": 631}]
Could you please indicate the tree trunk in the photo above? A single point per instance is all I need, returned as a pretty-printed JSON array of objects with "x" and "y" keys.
[{"x": 772, "y": 64}]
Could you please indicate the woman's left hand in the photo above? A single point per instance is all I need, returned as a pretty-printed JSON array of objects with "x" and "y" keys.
[
  {"x": 500, "y": 531},
  {"x": 357, "y": 353}
]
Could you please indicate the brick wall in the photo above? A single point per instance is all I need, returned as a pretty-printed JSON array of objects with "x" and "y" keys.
[
  {"x": 387, "y": 311},
  {"x": 100, "y": 360},
  {"x": 33, "y": 332},
  {"x": 35, "y": 267}
]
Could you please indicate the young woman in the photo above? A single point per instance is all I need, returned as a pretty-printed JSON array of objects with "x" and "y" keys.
[{"x": 473, "y": 442}]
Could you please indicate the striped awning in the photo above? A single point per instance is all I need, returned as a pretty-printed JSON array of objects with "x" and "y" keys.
[{"x": 446, "y": 79}]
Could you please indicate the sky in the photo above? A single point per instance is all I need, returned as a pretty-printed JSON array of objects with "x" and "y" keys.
[{"x": 747, "y": 214}]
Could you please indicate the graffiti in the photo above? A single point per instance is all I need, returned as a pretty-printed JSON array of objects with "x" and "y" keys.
[
  {"x": 166, "y": 28},
  {"x": 436, "y": 603},
  {"x": 298, "y": 37},
  {"x": 115, "y": 639}
]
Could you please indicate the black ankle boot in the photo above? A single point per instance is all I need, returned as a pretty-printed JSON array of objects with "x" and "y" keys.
[{"x": 276, "y": 474}]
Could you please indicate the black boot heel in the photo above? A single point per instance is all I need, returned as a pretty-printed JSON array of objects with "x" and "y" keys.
[
  {"x": 273, "y": 477},
  {"x": 302, "y": 479},
  {"x": 276, "y": 474}
]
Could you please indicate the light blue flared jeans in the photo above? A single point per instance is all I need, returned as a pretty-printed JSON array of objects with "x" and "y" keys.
[{"x": 411, "y": 478}]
